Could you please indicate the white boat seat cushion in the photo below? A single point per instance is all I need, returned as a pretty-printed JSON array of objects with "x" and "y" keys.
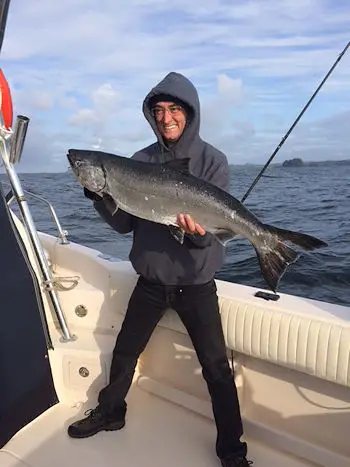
[
  {"x": 306, "y": 335},
  {"x": 301, "y": 334}
]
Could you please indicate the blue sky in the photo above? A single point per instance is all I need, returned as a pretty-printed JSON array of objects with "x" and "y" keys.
[{"x": 79, "y": 69}]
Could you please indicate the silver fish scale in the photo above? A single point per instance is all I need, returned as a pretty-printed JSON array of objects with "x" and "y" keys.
[{"x": 160, "y": 195}]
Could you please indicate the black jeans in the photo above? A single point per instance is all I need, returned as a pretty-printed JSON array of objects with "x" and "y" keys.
[{"x": 197, "y": 307}]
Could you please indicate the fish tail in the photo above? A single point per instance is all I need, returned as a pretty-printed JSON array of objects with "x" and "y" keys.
[
  {"x": 274, "y": 263},
  {"x": 304, "y": 241},
  {"x": 276, "y": 256}
]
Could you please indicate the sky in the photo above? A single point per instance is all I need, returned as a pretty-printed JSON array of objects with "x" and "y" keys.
[{"x": 80, "y": 69}]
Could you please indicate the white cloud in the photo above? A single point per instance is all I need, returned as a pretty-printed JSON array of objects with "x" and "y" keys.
[
  {"x": 230, "y": 89},
  {"x": 80, "y": 70},
  {"x": 105, "y": 97},
  {"x": 104, "y": 102},
  {"x": 34, "y": 100},
  {"x": 84, "y": 117}
]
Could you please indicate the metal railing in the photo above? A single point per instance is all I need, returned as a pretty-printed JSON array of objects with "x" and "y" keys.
[
  {"x": 63, "y": 234},
  {"x": 11, "y": 145}
]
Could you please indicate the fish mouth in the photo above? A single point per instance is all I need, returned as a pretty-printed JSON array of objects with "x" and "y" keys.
[
  {"x": 74, "y": 161},
  {"x": 70, "y": 162},
  {"x": 71, "y": 155}
]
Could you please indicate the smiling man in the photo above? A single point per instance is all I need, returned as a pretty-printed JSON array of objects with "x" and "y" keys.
[
  {"x": 180, "y": 276},
  {"x": 171, "y": 120}
]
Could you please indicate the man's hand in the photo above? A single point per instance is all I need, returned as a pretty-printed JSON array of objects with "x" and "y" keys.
[{"x": 186, "y": 223}]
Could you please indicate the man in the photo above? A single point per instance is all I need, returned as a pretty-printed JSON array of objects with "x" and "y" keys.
[{"x": 173, "y": 275}]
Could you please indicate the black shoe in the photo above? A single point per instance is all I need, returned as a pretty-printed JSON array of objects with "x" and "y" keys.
[
  {"x": 93, "y": 423},
  {"x": 236, "y": 462}
]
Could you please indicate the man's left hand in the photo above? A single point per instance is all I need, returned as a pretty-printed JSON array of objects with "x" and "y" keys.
[{"x": 186, "y": 223}]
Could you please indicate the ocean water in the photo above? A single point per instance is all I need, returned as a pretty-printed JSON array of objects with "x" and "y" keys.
[{"x": 310, "y": 199}]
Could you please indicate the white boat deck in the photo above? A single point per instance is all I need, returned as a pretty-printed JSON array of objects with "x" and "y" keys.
[
  {"x": 157, "y": 433},
  {"x": 292, "y": 372}
]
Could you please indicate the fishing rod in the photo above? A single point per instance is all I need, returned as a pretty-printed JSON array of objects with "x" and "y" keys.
[
  {"x": 4, "y": 8},
  {"x": 294, "y": 124}
]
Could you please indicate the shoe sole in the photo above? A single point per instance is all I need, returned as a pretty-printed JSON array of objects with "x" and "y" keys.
[{"x": 111, "y": 427}]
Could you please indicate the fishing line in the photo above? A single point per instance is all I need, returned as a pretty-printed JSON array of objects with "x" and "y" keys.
[{"x": 294, "y": 124}]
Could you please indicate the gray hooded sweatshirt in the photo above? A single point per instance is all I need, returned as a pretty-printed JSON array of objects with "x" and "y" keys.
[{"x": 155, "y": 254}]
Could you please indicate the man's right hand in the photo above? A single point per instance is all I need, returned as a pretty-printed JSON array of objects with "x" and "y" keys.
[{"x": 91, "y": 195}]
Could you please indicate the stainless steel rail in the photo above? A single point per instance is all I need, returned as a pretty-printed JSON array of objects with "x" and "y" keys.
[
  {"x": 63, "y": 234},
  {"x": 13, "y": 153}
]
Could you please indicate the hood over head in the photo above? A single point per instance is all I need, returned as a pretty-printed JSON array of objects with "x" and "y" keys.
[{"x": 179, "y": 89}]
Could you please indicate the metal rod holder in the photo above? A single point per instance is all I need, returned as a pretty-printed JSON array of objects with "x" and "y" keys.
[
  {"x": 39, "y": 254},
  {"x": 18, "y": 138}
]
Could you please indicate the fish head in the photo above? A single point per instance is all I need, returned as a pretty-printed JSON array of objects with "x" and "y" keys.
[{"x": 87, "y": 166}]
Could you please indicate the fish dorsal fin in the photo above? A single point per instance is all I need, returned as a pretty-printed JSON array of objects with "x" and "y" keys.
[{"x": 182, "y": 165}]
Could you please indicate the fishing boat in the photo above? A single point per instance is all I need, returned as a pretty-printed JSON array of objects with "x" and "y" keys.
[{"x": 62, "y": 305}]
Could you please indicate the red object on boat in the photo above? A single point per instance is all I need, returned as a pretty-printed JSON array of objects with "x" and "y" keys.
[{"x": 6, "y": 108}]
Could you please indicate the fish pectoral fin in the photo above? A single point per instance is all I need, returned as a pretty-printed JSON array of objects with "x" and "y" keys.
[
  {"x": 110, "y": 204},
  {"x": 177, "y": 233},
  {"x": 224, "y": 236},
  {"x": 182, "y": 165}
]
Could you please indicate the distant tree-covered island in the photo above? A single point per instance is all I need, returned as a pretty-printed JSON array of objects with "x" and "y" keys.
[{"x": 296, "y": 162}]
